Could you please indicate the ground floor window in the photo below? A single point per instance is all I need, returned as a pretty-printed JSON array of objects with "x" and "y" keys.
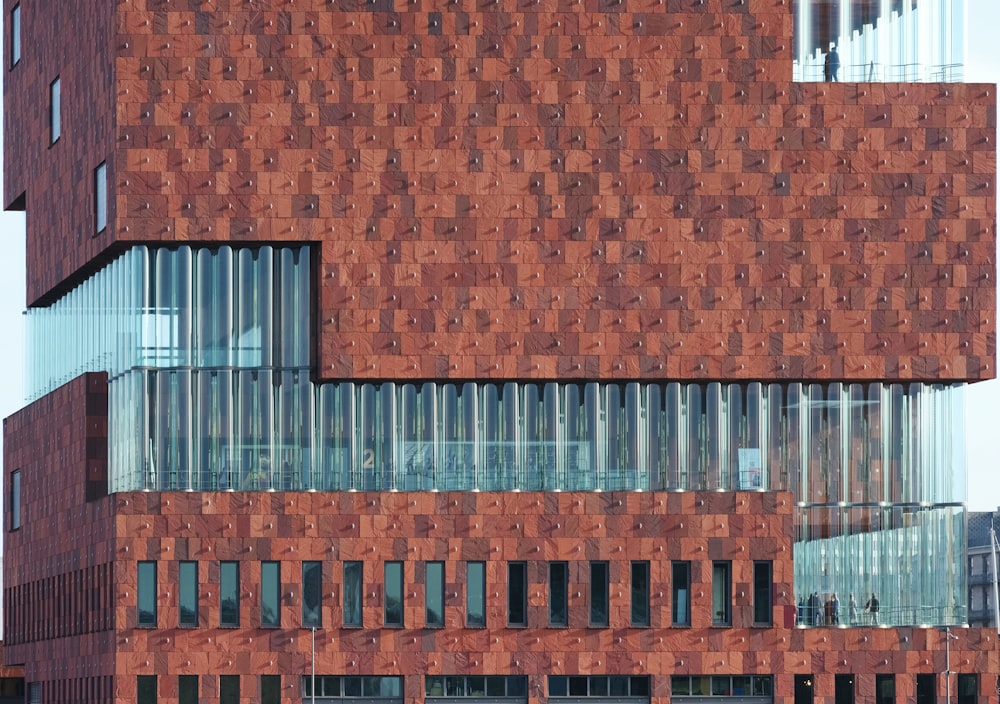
[
  {"x": 708, "y": 686},
  {"x": 476, "y": 687},
  {"x": 360, "y": 689},
  {"x": 599, "y": 686}
]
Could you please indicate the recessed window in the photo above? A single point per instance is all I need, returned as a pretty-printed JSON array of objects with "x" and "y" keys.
[
  {"x": 353, "y": 578},
  {"x": 517, "y": 594},
  {"x": 229, "y": 689},
  {"x": 476, "y": 686},
  {"x": 312, "y": 594},
  {"x": 187, "y": 689},
  {"x": 721, "y": 593},
  {"x": 968, "y": 687},
  {"x": 393, "y": 594},
  {"x": 885, "y": 689},
  {"x": 926, "y": 689},
  {"x": 15, "y": 499},
  {"x": 804, "y": 690},
  {"x": 15, "y": 35},
  {"x": 680, "y": 592},
  {"x": 762, "y": 578},
  {"x": 599, "y": 594},
  {"x": 434, "y": 594},
  {"x": 101, "y": 197},
  {"x": 270, "y": 593},
  {"x": 187, "y": 593},
  {"x": 558, "y": 594},
  {"x": 146, "y": 594},
  {"x": 145, "y": 689},
  {"x": 475, "y": 594},
  {"x": 229, "y": 594},
  {"x": 55, "y": 111},
  {"x": 599, "y": 686},
  {"x": 640, "y": 593},
  {"x": 270, "y": 689}
]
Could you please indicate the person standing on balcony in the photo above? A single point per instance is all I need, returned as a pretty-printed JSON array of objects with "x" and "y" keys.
[{"x": 833, "y": 59}]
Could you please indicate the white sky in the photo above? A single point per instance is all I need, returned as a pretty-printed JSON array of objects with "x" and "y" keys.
[{"x": 983, "y": 416}]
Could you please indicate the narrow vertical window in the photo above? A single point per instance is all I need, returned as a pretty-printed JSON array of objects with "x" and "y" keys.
[
  {"x": 926, "y": 689},
  {"x": 558, "y": 594},
  {"x": 353, "y": 576},
  {"x": 721, "y": 593},
  {"x": 15, "y": 35},
  {"x": 968, "y": 687},
  {"x": 187, "y": 689},
  {"x": 762, "y": 578},
  {"x": 270, "y": 591},
  {"x": 312, "y": 593},
  {"x": 15, "y": 499},
  {"x": 270, "y": 689},
  {"x": 475, "y": 594},
  {"x": 145, "y": 689},
  {"x": 517, "y": 594},
  {"x": 598, "y": 593},
  {"x": 101, "y": 197},
  {"x": 187, "y": 593},
  {"x": 680, "y": 593},
  {"x": 434, "y": 594},
  {"x": 640, "y": 593},
  {"x": 229, "y": 689},
  {"x": 885, "y": 689},
  {"x": 804, "y": 689},
  {"x": 146, "y": 594},
  {"x": 55, "y": 111},
  {"x": 229, "y": 594},
  {"x": 393, "y": 591}
]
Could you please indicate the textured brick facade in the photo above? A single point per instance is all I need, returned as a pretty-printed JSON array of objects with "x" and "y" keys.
[{"x": 530, "y": 188}]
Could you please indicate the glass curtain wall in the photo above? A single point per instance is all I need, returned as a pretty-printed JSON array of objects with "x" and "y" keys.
[
  {"x": 880, "y": 40},
  {"x": 207, "y": 352}
]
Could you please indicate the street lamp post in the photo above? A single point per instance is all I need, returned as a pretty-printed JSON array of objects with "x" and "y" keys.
[
  {"x": 947, "y": 663},
  {"x": 313, "y": 687}
]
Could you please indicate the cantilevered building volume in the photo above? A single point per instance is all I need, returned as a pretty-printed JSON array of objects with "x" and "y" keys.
[{"x": 479, "y": 350}]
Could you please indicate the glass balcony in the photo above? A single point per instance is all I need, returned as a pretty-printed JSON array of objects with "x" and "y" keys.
[{"x": 911, "y": 41}]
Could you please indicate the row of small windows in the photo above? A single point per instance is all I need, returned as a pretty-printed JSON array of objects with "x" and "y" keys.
[
  {"x": 434, "y": 593},
  {"x": 967, "y": 687}
]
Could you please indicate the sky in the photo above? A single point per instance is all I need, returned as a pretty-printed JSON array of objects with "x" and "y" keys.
[{"x": 983, "y": 399}]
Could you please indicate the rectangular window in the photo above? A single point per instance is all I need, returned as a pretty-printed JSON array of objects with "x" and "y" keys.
[
  {"x": 640, "y": 593},
  {"x": 187, "y": 593},
  {"x": 968, "y": 687},
  {"x": 312, "y": 594},
  {"x": 885, "y": 689},
  {"x": 762, "y": 578},
  {"x": 517, "y": 594},
  {"x": 434, "y": 594},
  {"x": 187, "y": 689},
  {"x": 229, "y": 689},
  {"x": 926, "y": 688},
  {"x": 599, "y": 594},
  {"x": 681, "y": 593},
  {"x": 101, "y": 197},
  {"x": 146, "y": 594},
  {"x": 15, "y": 35},
  {"x": 393, "y": 594},
  {"x": 353, "y": 584},
  {"x": 15, "y": 499},
  {"x": 475, "y": 594},
  {"x": 270, "y": 689},
  {"x": 721, "y": 592},
  {"x": 145, "y": 689},
  {"x": 270, "y": 594},
  {"x": 803, "y": 689},
  {"x": 229, "y": 594},
  {"x": 558, "y": 594},
  {"x": 55, "y": 111}
]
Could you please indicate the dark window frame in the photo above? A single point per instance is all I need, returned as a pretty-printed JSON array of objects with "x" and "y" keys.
[
  {"x": 184, "y": 586},
  {"x": 434, "y": 594},
  {"x": 15, "y": 35},
  {"x": 393, "y": 613},
  {"x": 763, "y": 593},
  {"x": 101, "y": 198},
  {"x": 270, "y": 689},
  {"x": 926, "y": 688},
  {"x": 229, "y": 689},
  {"x": 55, "y": 110},
  {"x": 600, "y": 594},
  {"x": 15, "y": 500},
  {"x": 225, "y": 566},
  {"x": 143, "y": 695},
  {"x": 680, "y": 613},
  {"x": 270, "y": 614},
  {"x": 353, "y": 598},
  {"x": 964, "y": 682},
  {"x": 558, "y": 592},
  {"x": 312, "y": 613},
  {"x": 184, "y": 696},
  {"x": 885, "y": 682},
  {"x": 146, "y": 569},
  {"x": 639, "y": 597},
  {"x": 517, "y": 598},
  {"x": 723, "y": 616},
  {"x": 475, "y": 598}
]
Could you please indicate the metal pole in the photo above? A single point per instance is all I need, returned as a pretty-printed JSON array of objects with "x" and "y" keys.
[
  {"x": 314, "y": 665},
  {"x": 947, "y": 663}
]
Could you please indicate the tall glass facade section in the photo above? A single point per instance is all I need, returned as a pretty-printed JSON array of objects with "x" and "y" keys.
[
  {"x": 208, "y": 356},
  {"x": 879, "y": 40}
]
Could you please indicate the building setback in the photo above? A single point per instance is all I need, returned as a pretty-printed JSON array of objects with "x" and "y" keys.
[{"x": 523, "y": 350}]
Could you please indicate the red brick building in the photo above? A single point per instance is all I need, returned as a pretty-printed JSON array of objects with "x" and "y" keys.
[{"x": 492, "y": 350}]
